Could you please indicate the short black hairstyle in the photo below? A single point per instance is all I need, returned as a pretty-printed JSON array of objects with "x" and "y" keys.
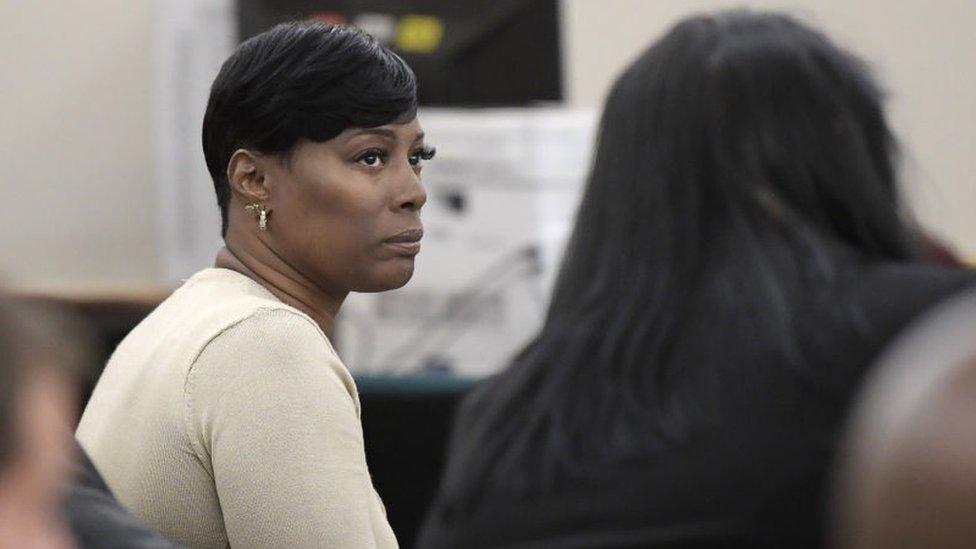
[{"x": 300, "y": 81}]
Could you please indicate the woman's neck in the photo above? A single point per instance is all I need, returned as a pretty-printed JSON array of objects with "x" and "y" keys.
[{"x": 262, "y": 265}]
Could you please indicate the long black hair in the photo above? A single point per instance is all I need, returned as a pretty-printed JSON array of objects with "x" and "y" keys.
[{"x": 740, "y": 160}]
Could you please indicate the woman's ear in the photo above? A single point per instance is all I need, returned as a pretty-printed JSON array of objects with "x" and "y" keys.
[{"x": 246, "y": 176}]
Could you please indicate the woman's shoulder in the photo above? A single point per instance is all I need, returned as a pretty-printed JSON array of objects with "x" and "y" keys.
[
  {"x": 218, "y": 320},
  {"x": 271, "y": 370},
  {"x": 277, "y": 329},
  {"x": 217, "y": 303},
  {"x": 272, "y": 345}
]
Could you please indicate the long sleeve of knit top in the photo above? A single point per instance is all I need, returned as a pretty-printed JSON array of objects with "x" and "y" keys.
[{"x": 227, "y": 418}]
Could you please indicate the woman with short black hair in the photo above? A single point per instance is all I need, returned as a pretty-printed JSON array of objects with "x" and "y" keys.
[
  {"x": 226, "y": 417},
  {"x": 739, "y": 257}
]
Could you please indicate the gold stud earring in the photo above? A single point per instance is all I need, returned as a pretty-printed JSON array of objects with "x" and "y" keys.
[{"x": 260, "y": 212}]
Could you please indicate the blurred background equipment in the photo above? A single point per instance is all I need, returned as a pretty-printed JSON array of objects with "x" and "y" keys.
[
  {"x": 474, "y": 53},
  {"x": 502, "y": 193}
]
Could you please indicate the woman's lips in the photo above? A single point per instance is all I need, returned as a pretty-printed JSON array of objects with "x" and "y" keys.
[{"x": 407, "y": 242}]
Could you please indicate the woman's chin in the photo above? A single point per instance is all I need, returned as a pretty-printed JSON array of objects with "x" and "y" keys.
[{"x": 390, "y": 277}]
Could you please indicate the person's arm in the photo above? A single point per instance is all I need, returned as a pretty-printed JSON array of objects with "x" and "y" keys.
[{"x": 271, "y": 408}]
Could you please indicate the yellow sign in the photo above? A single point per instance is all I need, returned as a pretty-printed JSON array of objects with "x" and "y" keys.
[{"x": 419, "y": 33}]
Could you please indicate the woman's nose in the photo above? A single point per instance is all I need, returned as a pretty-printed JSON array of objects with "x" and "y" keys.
[{"x": 414, "y": 196}]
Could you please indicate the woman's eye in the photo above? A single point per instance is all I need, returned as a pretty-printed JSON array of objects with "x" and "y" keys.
[
  {"x": 371, "y": 158},
  {"x": 418, "y": 157}
]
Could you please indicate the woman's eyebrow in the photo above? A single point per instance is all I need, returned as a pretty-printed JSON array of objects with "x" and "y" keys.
[{"x": 384, "y": 132}]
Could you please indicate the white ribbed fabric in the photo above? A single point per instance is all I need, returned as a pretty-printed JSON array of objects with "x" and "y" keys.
[{"x": 226, "y": 418}]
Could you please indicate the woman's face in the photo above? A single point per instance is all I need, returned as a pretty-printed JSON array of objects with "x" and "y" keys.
[{"x": 345, "y": 212}]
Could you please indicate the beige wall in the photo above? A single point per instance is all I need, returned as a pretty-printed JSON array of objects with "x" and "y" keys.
[
  {"x": 76, "y": 209},
  {"x": 76, "y": 139}
]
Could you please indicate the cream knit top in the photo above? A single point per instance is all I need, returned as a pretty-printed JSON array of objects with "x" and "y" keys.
[{"x": 225, "y": 418}]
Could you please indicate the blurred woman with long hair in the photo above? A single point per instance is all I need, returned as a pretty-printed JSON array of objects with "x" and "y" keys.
[{"x": 740, "y": 255}]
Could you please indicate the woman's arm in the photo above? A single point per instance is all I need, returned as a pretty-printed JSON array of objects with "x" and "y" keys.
[{"x": 273, "y": 411}]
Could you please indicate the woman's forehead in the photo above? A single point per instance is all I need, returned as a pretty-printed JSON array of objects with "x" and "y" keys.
[{"x": 406, "y": 131}]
